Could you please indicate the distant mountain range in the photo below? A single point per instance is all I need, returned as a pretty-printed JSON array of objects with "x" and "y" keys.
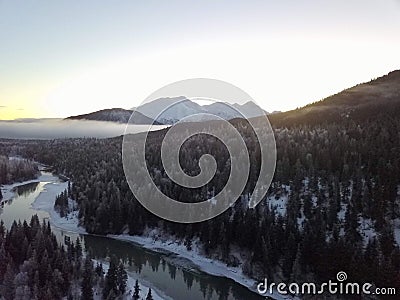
[
  {"x": 177, "y": 108},
  {"x": 173, "y": 110},
  {"x": 366, "y": 100}
]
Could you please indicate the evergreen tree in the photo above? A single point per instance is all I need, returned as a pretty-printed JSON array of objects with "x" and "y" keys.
[
  {"x": 99, "y": 269},
  {"x": 87, "y": 280},
  {"x": 325, "y": 167},
  {"x": 136, "y": 291},
  {"x": 7, "y": 289},
  {"x": 78, "y": 247},
  {"x": 115, "y": 280},
  {"x": 122, "y": 277},
  {"x": 110, "y": 284},
  {"x": 149, "y": 296},
  {"x": 34, "y": 266}
]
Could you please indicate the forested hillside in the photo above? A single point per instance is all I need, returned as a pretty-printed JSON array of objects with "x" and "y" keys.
[
  {"x": 14, "y": 170},
  {"x": 334, "y": 204},
  {"x": 33, "y": 265},
  {"x": 370, "y": 100}
]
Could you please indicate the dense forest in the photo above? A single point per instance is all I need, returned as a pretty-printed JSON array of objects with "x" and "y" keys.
[
  {"x": 33, "y": 265},
  {"x": 333, "y": 204},
  {"x": 14, "y": 170}
]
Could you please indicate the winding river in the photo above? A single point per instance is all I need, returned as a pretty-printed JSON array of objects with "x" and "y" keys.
[{"x": 161, "y": 271}]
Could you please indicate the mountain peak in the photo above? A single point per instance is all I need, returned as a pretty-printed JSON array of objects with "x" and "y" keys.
[{"x": 176, "y": 108}]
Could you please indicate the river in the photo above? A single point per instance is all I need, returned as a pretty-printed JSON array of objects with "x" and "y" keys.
[{"x": 166, "y": 274}]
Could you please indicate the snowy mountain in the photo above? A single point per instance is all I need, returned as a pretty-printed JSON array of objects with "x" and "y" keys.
[
  {"x": 174, "y": 109},
  {"x": 250, "y": 109},
  {"x": 171, "y": 110}
]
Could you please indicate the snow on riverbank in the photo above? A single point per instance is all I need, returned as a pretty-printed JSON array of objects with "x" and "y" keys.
[
  {"x": 8, "y": 190},
  {"x": 45, "y": 201},
  {"x": 207, "y": 265}
]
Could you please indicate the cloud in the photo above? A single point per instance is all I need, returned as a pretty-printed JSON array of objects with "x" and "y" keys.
[
  {"x": 3, "y": 106},
  {"x": 58, "y": 128}
]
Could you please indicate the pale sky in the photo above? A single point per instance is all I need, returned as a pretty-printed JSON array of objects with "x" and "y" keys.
[{"x": 60, "y": 58}]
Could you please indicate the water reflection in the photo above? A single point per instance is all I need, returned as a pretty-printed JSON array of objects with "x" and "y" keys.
[
  {"x": 22, "y": 190},
  {"x": 26, "y": 189},
  {"x": 160, "y": 270}
]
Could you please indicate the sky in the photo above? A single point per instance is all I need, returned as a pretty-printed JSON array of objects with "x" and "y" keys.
[{"x": 62, "y": 58}]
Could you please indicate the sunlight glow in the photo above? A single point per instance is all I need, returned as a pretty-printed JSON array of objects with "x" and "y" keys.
[{"x": 280, "y": 75}]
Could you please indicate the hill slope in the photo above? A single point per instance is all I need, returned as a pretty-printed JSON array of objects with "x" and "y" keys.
[
  {"x": 118, "y": 115},
  {"x": 360, "y": 102}
]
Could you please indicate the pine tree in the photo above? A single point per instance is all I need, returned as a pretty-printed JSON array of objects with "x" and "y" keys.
[
  {"x": 3, "y": 262},
  {"x": 78, "y": 247},
  {"x": 149, "y": 296},
  {"x": 110, "y": 284},
  {"x": 7, "y": 290},
  {"x": 87, "y": 280},
  {"x": 136, "y": 291},
  {"x": 22, "y": 293},
  {"x": 122, "y": 277},
  {"x": 115, "y": 281},
  {"x": 99, "y": 269}
]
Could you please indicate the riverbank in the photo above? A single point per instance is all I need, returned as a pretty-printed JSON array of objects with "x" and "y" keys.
[
  {"x": 45, "y": 202},
  {"x": 8, "y": 190},
  {"x": 181, "y": 256},
  {"x": 195, "y": 259}
]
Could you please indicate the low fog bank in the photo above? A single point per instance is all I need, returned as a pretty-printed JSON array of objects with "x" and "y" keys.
[{"x": 59, "y": 128}]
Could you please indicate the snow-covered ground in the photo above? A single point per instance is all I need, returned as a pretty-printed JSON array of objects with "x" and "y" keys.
[
  {"x": 45, "y": 202},
  {"x": 8, "y": 189},
  {"x": 46, "y": 199},
  {"x": 367, "y": 230},
  {"x": 151, "y": 240}
]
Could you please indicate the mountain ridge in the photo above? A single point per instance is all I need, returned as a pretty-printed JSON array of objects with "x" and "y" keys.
[
  {"x": 380, "y": 95},
  {"x": 172, "y": 110},
  {"x": 118, "y": 115},
  {"x": 360, "y": 102}
]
